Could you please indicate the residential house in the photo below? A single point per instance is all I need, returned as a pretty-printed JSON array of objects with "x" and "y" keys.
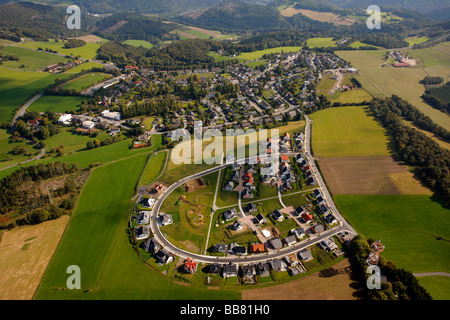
[
  {"x": 65, "y": 120},
  {"x": 215, "y": 268},
  {"x": 306, "y": 217},
  {"x": 165, "y": 219},
  {"x": 262, "y": 269},
  {"x": 330, "y": 219},
  {"x": 257, "y": 248},
  {"x": 152, "y": 246},
  {"x": 143, "y": 217},
  {"x": 317, "y": 228},
  {"x": 305, "y": 255},
  {"x": 299, "y": 211},
  {"x": 230, "y": 214},
  {"x": 164, "y": 257},
  {"x": 260, "y": 219},
  {"x": 328, "y": 245},
  {"x": 229, "y": 186},
  {"x": 278, "y": 265},
  {"x": 251, "y": 208},
  {"x": 142, "y": 232},
  {"x": 276, "y": 243},
  {"x": 236, "y": 226},
  {"x": 247, "y": 194},
  {"x": 230, "y": 270},
  {"x": 219, "y": 247},
  {"x": 277, "y": 215},
  {"x": 248, "y": 270},
  {"x": 190, "y": 266},
  {"x": 290, "y": 240},
  {"x": 299, "y": 233}
]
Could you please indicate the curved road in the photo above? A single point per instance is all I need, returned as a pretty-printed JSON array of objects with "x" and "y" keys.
[{"x": 159, "y": 237}]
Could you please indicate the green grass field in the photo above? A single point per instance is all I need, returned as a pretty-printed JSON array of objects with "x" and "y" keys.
[
  {"x": 85, "y": 81},
  {"x": 358, "y": 44},
  {"x": 437, "y": 286},
  {"x": 111, "y": 268},
  {"x": 414, "y": 228},
  {"x": 259, "y": 54},
  {"x": 416, "y": 40},
  {"x": 139, "y": 43},
  {"x": 59, "y": 104},
  {"x": 84, "y": 66},
  {"x": 6, "y": 145},
  {"x": 101, "y": 155},
  {"x": 88, "y": 51},
  {"x": 153, "y": 168},
  {"x": 352, "y": 96},
  {"x": 434, "y": 56},
  {"x": 347, "y": 131},
  {"x": 72, "y": 142},
  {"x": 18, "y": 93},
  {"x": 10, "y": 79},
  {"x": 32, "y": 60},
  {"x": 320, "y": 42}
]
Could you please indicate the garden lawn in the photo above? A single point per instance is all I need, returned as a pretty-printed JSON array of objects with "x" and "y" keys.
[{"x": 347, "y": 131}]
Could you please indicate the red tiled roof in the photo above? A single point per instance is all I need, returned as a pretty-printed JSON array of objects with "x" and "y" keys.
[{"x": 258, "y": 248}]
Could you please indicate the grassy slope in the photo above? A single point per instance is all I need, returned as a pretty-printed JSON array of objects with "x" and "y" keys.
[
  {"x": 33, "y": 60},
  {"x": 408, "y": 226},
  {"x": 16, "y": 96},
  {"x": 347, "y": 131},
  {"x": 59, "y": 104}
]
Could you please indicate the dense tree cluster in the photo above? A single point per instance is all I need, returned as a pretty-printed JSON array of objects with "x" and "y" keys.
[
  {"x": 439, "y": 98},
  {"x": 401, "y": 284},
  {"x": 13, "y": 196},
  {"x": 74, "y": 43},
  {"x": 432, "y": 80},
  {"x": 123, "y": 26},
  {"x": 430, "y": 161}
]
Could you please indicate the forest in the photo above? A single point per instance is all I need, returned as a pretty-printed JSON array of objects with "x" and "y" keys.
[
  {"x": 438, "y": 97},
  {"x": 24, "y": 201}
]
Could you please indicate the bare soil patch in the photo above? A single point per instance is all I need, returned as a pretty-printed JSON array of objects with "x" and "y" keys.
[
  {"x": 194, "y": 185},
  {"x": 334, "y": 283},
  {"x": 361, "y": 175},
  {"x": 90, "y": 38}
]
